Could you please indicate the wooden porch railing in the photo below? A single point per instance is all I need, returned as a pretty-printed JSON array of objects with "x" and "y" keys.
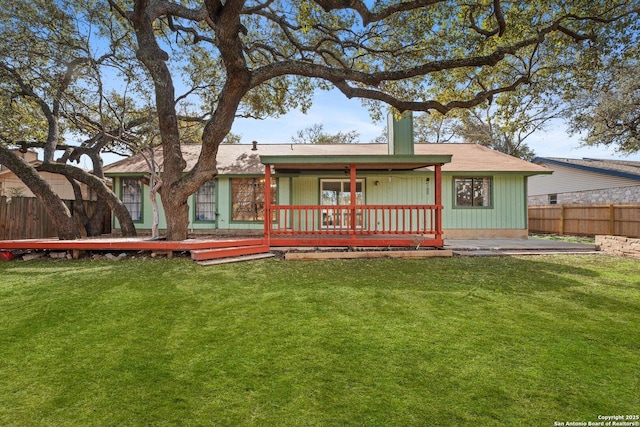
[
  {"x": 354, "y": 225},
  {"x": 306, "y": 220}
]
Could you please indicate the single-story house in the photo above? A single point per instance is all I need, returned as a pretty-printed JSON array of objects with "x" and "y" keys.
[
  {"x": 12, "y": 186},
  {"x": 377, "y": 194},
  {"x": 585, "y": 181}
]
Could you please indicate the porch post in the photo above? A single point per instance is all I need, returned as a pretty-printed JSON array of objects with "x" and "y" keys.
[
  {"x": 267, "y": 204},
  {"x": 438, "y": 202},
  {"x": 352, "y": 208}
]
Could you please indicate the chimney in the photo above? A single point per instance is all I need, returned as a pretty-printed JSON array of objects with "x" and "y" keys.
[
  {"x": 400, "y": 134},
  {"x": 255, "y": 146}
]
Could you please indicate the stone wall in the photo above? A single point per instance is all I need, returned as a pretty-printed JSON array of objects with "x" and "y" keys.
[
  {"x": 618, "y": 245},
  {"x": 606, "y": 195},
  {"x": 540, "y": 200}
]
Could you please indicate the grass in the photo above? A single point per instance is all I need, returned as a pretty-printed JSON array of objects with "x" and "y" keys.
[
  {"x": 459, "y": 341},
  {"x": 565, "y": 238}
]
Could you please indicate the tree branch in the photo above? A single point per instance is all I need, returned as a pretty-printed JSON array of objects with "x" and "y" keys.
[{"x": 401, "y": 105}]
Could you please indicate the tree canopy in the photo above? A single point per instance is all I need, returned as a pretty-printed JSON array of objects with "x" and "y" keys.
[
  {"x": 608, "y": 112},
  {"x": 315, "y": 134},
  {"x": 52, "y": 87},
  {"x": 503, "y": 125},
  {"x": 209, "y": 62},
  {"x": 258, "y": 58}
]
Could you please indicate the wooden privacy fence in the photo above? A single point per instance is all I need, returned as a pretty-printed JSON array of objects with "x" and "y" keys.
[
  {"x": 586, "y": 220},
  {"x": 26, "y": 218}
]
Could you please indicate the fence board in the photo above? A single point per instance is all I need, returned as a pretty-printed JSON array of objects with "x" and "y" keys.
[
  {"x": 26, "y": 218},
  {"x": 586, "y": 220}
]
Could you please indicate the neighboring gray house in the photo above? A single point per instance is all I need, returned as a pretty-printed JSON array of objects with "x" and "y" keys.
[{"x": 585, "y": 181}]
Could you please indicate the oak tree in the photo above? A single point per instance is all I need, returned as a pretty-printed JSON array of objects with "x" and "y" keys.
[
  {"x": 315, "y": 134},
  {"x": 52, "y": 88},
  {"x": 608, "y": 112},
  {"x": 256, "y": 58}
]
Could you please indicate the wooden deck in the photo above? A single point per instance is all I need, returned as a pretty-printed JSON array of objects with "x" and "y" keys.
[
  {"x": 127, "y": 244},
  {"x": 203, "y": 249}
]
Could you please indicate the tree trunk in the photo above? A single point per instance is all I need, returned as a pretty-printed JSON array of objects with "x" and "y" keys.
[
  {"x": 95, "y": 225},
  {"x": 174, "y": 198},
  {"x": 55, "y": 207},
  {"x": 98, "y": 185},
  {"x": 176, "y": 214},
  {"x": 178, "y": 186}
]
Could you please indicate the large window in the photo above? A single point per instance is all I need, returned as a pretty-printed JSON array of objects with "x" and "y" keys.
[
  {"x": 132, "y": 197},
  {"x": 337, "y": 192},
  {"x": 473, "y": 192},
  {"x": 205, "y": 206},
  {"x": 247, "y": 198}
]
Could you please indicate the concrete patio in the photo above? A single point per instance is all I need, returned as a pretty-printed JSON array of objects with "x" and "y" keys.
[{"x": 531, "y": 246}]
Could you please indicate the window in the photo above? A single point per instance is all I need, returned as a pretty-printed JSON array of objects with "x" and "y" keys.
[
  {"x": 337, "y": 192},
  {"x": 132, "y": 197},
  {"x": 247, "y": 198},
  {"x": 553, "y": 199},
  {"x": 473, "y": 192},
  {"x": 205, "y": 206}
]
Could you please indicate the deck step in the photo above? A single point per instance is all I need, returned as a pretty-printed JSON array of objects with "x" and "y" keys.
[
  {"x": 235, "y": 259},
  {"x": 233, "y": 251}
]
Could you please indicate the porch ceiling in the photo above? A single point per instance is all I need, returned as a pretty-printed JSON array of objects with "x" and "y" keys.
[{"x": 362, "y": 162}]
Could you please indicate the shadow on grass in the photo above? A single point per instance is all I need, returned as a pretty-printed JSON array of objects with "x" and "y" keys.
[{"x": 497, "y": 274}]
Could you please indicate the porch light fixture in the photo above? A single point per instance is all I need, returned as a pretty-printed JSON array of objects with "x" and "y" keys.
[{"x": 376, "y": 183}]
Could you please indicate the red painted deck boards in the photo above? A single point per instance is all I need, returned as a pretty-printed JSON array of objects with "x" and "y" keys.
[
  {"x": 127, "y": 244},
  {"x": 235, "y": 251}
]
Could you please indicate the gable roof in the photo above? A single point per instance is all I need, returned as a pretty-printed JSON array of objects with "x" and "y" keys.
[
  {"x": 239, "y": 159},
  {"x": 619, "y": 168}
]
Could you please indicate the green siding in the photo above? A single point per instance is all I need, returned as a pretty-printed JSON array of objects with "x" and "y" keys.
[
  {"x": 394, "y": 189},
  {"x": 284, "y": 191},
  {"x": 305, "y": 190},
  {"x": 508, "y": 209}
]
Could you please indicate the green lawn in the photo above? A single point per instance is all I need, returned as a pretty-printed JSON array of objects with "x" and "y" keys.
[{"x": 446, "y": 341}]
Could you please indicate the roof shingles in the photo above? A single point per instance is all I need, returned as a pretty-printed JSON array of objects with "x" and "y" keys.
[{"x": 240, "y": 159}]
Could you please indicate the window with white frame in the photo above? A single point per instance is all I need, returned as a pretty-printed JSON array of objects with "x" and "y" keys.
[
  {"x": 205, "y": 202},
  {"x": 472, "y": 192},
  {"x": 337, "y": 192},
  {"x": 132, "y": 197}
]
